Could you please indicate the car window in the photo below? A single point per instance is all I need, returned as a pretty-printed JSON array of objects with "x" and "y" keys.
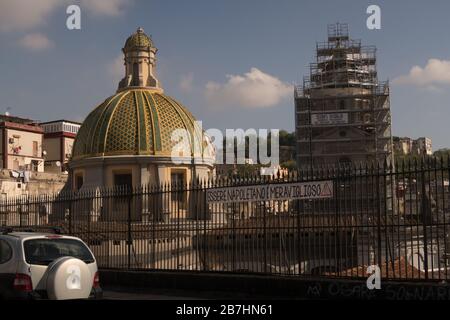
[
  {"x": 5, "y": 251},
  {"x": 44, "y": 251}
]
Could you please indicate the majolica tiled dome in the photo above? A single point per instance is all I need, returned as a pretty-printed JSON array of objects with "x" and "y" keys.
[
  {"x": 134, "y": 122},
  {"x": 138, "y": 40}
]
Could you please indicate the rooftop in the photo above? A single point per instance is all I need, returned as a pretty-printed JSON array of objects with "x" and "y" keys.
[
  {"x": 9, "y": 118},
  {"x": 61, "y": 120}
]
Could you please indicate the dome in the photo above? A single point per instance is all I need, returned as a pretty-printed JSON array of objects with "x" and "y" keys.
[
  {"x": 138, "y": 40},
  {"x": 135, "y": 122}
]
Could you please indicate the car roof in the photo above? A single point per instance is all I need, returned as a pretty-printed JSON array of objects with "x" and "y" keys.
[{"x": 25, "y": 235}]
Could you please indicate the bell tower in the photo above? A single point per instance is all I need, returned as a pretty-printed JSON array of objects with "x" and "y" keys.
[{"x": 140, "y": 62}]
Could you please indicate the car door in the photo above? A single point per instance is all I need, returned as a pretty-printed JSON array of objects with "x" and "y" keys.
[{"x": 8, "y": 266}]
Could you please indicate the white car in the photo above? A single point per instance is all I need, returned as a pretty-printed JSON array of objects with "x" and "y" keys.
[{"x": 46, "y": 266}]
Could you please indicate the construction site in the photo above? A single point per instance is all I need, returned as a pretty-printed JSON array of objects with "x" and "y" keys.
[{"x": 342, "y": 110}]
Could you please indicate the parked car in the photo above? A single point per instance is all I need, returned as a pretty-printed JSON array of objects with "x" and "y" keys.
[{"x": 36, "y": 265}]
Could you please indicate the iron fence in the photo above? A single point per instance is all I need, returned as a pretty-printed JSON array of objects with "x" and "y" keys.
[{"x": 373, "y": 215}]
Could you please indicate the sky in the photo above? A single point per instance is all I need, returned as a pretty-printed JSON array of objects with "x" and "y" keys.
[{"x": 232, "y": 63}]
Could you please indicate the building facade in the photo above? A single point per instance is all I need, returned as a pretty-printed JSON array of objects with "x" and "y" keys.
[
  {"x": 342, "y": 111},
  {"x": 59, "y": 137},
  {"x": 23, "y": 155},
  {"x": 423, "y": 146},
  {"x": 21, "y": 144},
  {"x": 409, "y": 146},
  {"x": 403, "y": 145}
]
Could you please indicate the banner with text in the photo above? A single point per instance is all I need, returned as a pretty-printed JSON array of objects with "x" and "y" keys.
[
  {"x": 329, "y": 118},
  {"x": 285, "y": 191}
]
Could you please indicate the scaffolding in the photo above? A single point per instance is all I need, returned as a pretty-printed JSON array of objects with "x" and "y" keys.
[{"x": 342, "y": 110}]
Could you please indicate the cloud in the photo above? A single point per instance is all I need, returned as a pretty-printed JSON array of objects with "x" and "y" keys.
[
  {"x": 116, "y": 68},
  {"x": 35, "y": 42},
  {"x": 186, "y": 82},
  {"x": 105, "y": 7},
  {"x": 435, "y": 74},
  {"x": 254, "y": 89},
  {"x": 23, "y": 15},
  {"x": 20, "y": 15}
]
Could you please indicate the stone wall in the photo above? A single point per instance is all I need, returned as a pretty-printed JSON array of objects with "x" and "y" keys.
[{"x": 40, "y": 183}]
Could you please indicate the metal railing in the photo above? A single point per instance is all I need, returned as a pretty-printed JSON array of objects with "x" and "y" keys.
[{"x": 374, "y": 215}]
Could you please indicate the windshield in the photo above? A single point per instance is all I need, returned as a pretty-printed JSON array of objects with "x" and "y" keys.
[{"x": 44, "y": 251}]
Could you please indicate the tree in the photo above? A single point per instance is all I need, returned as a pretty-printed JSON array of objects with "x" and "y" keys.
[
  {"x": 290, "y": 165},
  {"x": 287, "y": 138}
]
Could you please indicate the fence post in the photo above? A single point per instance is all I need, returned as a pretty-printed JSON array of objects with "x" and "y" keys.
[
  {"x": 176, "y": 190},
  {"x": 299, "y": 233},
  {"x": 19, "y": 207},
  {"x": 424, "y": 207},
  {"x": 129, "y": 240},
  {"x": 377, "y": 181},
  {"x": 337, "y": 215},
  {"x": 70, "y": 195},
  {"x": 86, "y": 206},
  {"x": 205, "y": 241},
  {"x": 28, "y": 214},
  {"x": 265, "y": 237},
  {"x": 233, "y": 236},
  {"x": 154, "y": 201}
]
